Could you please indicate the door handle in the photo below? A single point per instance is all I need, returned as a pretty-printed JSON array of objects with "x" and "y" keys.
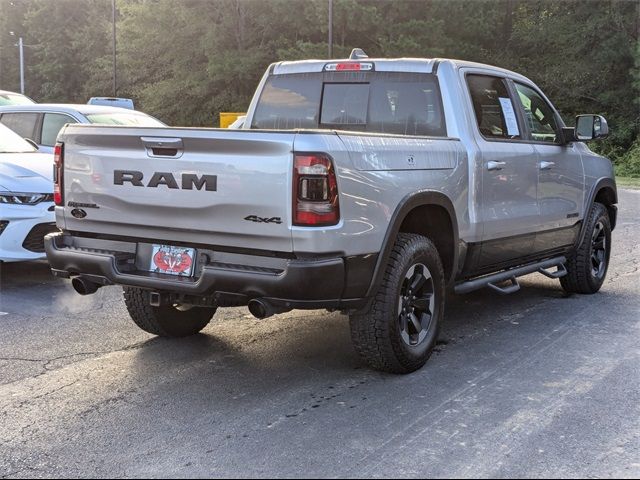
[
  {"x": 546, "y": 165},
  {"x": 493, "y": 165}
]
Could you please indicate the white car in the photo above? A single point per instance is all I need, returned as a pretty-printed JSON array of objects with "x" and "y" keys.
[
  {"x": 26, "y": 198},
  {"x": 41, "y": 122},
  {"x": 12, "y": 98}
]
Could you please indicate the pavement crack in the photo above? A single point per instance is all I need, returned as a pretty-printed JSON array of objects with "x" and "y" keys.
[
  {"x": 47, "y": 394},
  {"x": 18, "y": 359},
  {"x": 19, "y": 471},
  {"x": 48, "y": 364}
]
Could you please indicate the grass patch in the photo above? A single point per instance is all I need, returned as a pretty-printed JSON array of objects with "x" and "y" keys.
[{"x": 628, "y": 182}]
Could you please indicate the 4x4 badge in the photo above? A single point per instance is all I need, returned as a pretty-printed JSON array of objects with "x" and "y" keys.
[{"x": 257, "y": 219}]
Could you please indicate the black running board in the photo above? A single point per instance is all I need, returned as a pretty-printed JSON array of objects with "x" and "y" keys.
[{"x": 511, "y": 275}]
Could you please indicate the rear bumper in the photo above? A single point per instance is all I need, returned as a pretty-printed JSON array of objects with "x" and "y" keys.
[{"x": 229, "y": 279}]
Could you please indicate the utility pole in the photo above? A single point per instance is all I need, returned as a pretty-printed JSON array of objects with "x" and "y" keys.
[
  {"x": 115, "y": 68},
  {"x": 330, "y": 29},
  {"x": 21, "y": 47}
]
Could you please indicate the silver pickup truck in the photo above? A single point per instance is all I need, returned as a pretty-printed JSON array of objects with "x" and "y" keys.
[{"x": 362, "y": 185}]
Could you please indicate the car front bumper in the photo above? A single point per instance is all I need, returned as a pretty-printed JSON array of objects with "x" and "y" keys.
[{"x": 24, "y": 229}]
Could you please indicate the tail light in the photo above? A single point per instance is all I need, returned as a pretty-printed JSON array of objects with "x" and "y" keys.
[
  {"x": 58, "y": 161},
  {"x": 315, "y": 191}
]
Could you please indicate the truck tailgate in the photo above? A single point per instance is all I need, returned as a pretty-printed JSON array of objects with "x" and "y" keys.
[{"x": 150, "y": 184}]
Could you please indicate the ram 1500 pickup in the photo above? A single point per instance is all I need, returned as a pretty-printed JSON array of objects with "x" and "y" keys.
[{"x": 363, "y": 185}]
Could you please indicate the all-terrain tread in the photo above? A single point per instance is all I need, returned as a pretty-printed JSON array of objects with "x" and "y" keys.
[
  {"x": 579, "y": 278},
  {"x": 164, "y": 321},
  {"x": 370, "y": 329}
]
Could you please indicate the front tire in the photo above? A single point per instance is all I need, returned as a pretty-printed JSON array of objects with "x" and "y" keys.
[
  {"x": 587, "y": 266},
  {"x": 165, "y": 321},
  {"x": 398, "y": 331}
]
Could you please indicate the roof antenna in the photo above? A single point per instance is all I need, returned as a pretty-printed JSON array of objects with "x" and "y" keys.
[{"x": 357, "y": 54}]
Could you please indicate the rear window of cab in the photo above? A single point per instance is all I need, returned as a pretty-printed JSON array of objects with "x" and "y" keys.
[{"x": 380, "y": 102}]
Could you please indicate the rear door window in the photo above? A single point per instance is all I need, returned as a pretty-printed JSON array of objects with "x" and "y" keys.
[
  {"x": 51, "y": 126},
  {"x": 24, "y": 124},
  {"x": 493, "y": 107},
  {"x": 125, "y": 119}
]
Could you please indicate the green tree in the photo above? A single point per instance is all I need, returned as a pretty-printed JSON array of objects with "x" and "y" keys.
[
  {"x": 11, "y": 21},
  {"x": 582, "y": 55},
  {"x": 68, "y": 40},
  {"x": 186, "y": 61}
]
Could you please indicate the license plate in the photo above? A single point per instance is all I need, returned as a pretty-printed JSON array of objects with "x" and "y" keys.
[{"x": 172, "y": 260}]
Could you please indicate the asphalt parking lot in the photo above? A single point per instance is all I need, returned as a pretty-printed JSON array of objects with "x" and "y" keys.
[{"x": 534, "y": 384}]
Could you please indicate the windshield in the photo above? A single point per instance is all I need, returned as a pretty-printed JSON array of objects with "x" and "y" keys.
[
  {"x": 128, "y": 119},
  {"x": 11, "y": 142},
  {"x": 14, "y": 99},
  {"x": 382, "y": 102}
]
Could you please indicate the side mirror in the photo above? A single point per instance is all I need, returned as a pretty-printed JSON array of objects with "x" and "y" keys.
[
  {"x": 33, "y": 144},
  {"x": 590, "y": 127}
]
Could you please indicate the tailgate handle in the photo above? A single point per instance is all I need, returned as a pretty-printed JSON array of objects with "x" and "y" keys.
[{"x": 163, "y": 146}]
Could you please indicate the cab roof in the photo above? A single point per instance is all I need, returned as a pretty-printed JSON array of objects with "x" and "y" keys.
[{"x": 414, "y": 65}]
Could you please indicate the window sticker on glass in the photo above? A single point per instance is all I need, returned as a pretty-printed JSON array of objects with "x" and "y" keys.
[{"x": 509, "y": 117}]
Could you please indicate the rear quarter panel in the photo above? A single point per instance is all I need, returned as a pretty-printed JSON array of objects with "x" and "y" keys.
[{"x": 375, "y": 174}]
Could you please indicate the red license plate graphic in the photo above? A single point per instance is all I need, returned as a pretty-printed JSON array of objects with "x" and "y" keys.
[{"x": 172, "y": 260}]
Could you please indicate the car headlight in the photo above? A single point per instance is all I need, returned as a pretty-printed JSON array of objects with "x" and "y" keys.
[{"x": 14, "y": 198}]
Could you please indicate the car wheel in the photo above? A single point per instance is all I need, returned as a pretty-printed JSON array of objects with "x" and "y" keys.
[
  {"x": 171, "y": 321},
  {"x": 399, "y": 329},
  {"x": 587, "y": 266}
]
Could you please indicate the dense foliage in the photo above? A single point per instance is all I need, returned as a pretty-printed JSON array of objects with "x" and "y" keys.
[{"x": 185, "y": 61}]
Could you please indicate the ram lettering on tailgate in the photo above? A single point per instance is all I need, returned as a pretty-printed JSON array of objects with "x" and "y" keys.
[{"x": 189, "y": 180}]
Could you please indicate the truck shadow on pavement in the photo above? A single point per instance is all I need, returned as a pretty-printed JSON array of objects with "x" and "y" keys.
[
  {"x": 291, "y": 391},
  {"x": 246, "y": 382},
  {"x": 298, "y": 350}
]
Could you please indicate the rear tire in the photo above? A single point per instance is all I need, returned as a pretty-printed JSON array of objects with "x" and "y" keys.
[
  {"x": 165, "y": 321},
  {"x": 587, "y": 266},
  {"x": 398, "y": 331}
]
